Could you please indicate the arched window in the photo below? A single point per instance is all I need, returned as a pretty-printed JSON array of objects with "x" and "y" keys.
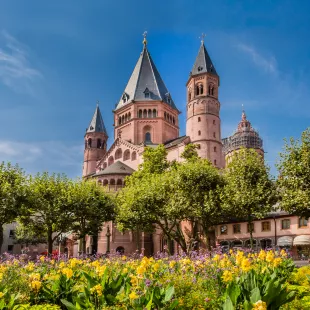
[
  {"x": 119, "y": 121},
  {"x": 170, "y": 117},
  {"x": 105, "y": 182},
  {"x": 89, "y": 142},
  {"x": 199, "y": 119},
  {"x": 134, "y": 156},
  {"x": 104, "y": 165},
  {"x": 197, "y": 90},
  {"x": 214, "y": 122},
  {"x": 126, "y": 117},
  {"x": 209, "y": 90},
  {"x": 215, "y": 162},
  {"x": 201, "y": 89},
  {"x": 189, "y": 95},
  {"x": 85, "y": 144},
  {"x": 199, "y": 133},
  {"x": 173, "y": 120},
  {"x": 118, "y": 154},
  {"x": 99, "y": 145},
  {"x": 140, "y": 113},
  {"x": 145, "y": 113},
  {"x": 110, "y": 160},
  {"x": 214, "y": 135},
  {"x": 212, "y": 91},
  {"x": 123, "y": 119},
  {"x": 154, "y": 113},
  {"x": 214, "y": 149},
  {"x": 126, "y": 155},
  {"x": 112, "y": 182},
  {"x": 149, "y": 114},
  {"x": 148, "y": 137},
  {"x": 99, "y": 182},
  {"x": 119, "y": 182},
  {"x": 120, "y": 250},
  {"x": 129, "y": 116}
]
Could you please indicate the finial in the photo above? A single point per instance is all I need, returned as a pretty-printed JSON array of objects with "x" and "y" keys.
[
  {"x": 144, "y": 38},
  {"x": 202, "y": 37},
  {"x": 97, "y": 103}
]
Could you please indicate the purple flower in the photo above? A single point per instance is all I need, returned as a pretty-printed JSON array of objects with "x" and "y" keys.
[{"x": 148, "y": 282}]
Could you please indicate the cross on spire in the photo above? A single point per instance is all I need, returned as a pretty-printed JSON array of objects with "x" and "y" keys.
[
  {"x": 144, "y": 37},
  {"x": 202, "y": 37}
]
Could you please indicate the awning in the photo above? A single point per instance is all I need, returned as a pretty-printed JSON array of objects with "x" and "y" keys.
[
  {"x": 285, "y": 241},
  {"x": 302, "y": 240}
]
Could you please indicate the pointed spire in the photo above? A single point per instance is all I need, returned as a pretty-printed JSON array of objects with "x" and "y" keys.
[
  {"x": 203, "y": 61},
  {"x": 145, "y": 83},
  {"x": 244, "y": 124},
  {"x": 97, "y": 124}
]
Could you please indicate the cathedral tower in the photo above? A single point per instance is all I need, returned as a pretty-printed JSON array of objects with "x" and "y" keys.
[
  {"x": 95, "y": 143},
  {"x": 203, "y": 124},
  {"x": 146, "y": 112},
  {"x": 244, "y": 136}
]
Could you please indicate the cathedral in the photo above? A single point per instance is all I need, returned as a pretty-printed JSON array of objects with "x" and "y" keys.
[{"x": 146, "y": 115}]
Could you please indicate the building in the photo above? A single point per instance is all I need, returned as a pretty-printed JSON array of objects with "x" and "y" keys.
[{"x": 146, "y": 115}]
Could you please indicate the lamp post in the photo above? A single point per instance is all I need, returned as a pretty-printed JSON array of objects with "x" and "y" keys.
[{"x": 108, "y": 235}]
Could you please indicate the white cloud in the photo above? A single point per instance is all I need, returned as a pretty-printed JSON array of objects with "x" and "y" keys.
[
  {"x": 52, "y": 156},
  {"x": 16, "y": 71},
  {"x": 267, "y": 64}
]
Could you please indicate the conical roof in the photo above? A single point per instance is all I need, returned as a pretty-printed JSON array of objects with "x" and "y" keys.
[
  {"x": 203, "y": 62},
  {"x": 145, "y": 83},
  {"x": 97, "y": 124}
]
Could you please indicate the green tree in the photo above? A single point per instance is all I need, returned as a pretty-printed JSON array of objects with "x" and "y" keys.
[
  {"x": 13, "y": 194},
  {"x": 196, "y": 196},
  {"x": 294, "y": 175},
  {"x": 48, "y": 213},
  {"x": 91, "y": 206},
  {"x": 190, "y": 152},
  {"x": 249, "y": 191}
]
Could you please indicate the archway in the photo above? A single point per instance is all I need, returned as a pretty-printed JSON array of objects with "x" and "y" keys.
[{"x": 110, "y": 160}]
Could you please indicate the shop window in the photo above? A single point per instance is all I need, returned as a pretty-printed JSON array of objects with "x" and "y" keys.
[
  {"x": 303, "y": 222},
  {"x": 248, "y": 227},
  {"x": 10, "y": 248},
  {"x": 223, "y": 229}
]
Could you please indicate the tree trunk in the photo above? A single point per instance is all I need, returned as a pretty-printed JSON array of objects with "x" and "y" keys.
[
  {"x": 83, "y": 245},
  {"x": 49, "y": 241},
  {"x": 1, "y": 236},
  {"x": 251, "y": 231},
  {"x": 138, "y": 241}
]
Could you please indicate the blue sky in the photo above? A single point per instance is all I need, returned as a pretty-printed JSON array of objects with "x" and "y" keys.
[{"x": 57, "y": 58}]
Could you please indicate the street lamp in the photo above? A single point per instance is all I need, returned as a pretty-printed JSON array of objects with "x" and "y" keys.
[{"x": 108, "y": 235}]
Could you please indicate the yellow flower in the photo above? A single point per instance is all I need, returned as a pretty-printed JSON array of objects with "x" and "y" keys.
[
  {"x": 97, "y": 289},
  {"x": 29, "y": 266},
  {"x": 277, "y": 261},
  {"x": 52, "y": 261},
  {"x": 270, "y": 257},
  {"x": 67, "y": 272},
  {"x": 260, "y": 305},
  {"x": 34, "y": 276},
  {"x": 283, "y": 253},
  {"x": 62, "y": 265},
  {"x": 227, "y": 276},
  {"x": 100, "y": 270},
  {"x": 231, "y": 251},
  {"x": 262, "y": 255},
  {"x": 124, "y": 257},
  {"x": 42, "y": 259},
  {"x": 172, "y": 264},
  {"x": 36, "y": 285},
  {"x": 141, "y": 270},
  {"x": 1, "y": 276},
  {"x": 133, "y": 295},
  {"x": 156, "y": 266},
  {"x": 1, "y": 295},
  {"x": 216, "y": 258},
  {"x": 134, "y": 280},
  {"x": 245, "y": 265},
  {"x": 125, "y": 270}
]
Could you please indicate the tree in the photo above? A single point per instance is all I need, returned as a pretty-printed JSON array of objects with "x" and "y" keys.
[
  {"x": 294, "y": 175},
  {"x": 13, "y": 194},
  {"x": 190, "y": 152},
  {"x": 195, "y": 196},
  {"x": 48, "y": 213},
  {"x": 91, "y": 206},
  {"x": 249, "y": 191}
]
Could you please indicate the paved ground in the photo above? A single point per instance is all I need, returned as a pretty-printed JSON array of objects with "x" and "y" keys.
[{"x": 300, "y": 263}]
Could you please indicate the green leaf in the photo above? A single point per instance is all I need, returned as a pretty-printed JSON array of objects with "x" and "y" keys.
[
  {"x": 255, "y": 295},
  {"x": 149, "y": 304},
  {"x": 68, "y": 304},
  {"x": 228, "y": 305},
  {"x": 169, "y": 294}
]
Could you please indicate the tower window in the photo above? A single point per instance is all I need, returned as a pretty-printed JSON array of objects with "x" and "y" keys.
[
  {"x": 165, "y": 115},
  {"x": 199, "y": 119},
  {"x": 154, "y": 113},
  {"x": 212, "y": 91},
  {"x": 199, "y": 68},
  {"x": 215, "y": 149},
  {"x": 215, "y": 162},
  {"x": 189, "y": 96},
  {"x": 214, "y": 122},
  {"x": 99, "y": 145},
  {"x": 201, "y": 89},
  {"x": 149, "y": 114},
  {"x": 89, "y": 142},
  {"x": 140, "y": 113},
  {"x": 144, "y": 114},
  {"x": 147, "y": 95},
  {"x": 199, "y": 133},
  {"x": 214, "y": 136}
]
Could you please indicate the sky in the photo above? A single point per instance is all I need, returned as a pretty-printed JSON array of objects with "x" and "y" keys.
[{"x": 57, "y": 58}]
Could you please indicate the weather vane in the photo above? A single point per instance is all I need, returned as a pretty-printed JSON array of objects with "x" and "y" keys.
[
  {"x": 202, "y": 37},
  {"x": 144, "y": 36}
]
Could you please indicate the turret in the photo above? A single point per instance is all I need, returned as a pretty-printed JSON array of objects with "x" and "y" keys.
[
  {"x": 203, "y": 124},
  {"x": 95, "y": 140}
]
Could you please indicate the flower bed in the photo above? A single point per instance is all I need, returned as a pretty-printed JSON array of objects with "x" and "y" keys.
[{"x": 231, "y": 281}]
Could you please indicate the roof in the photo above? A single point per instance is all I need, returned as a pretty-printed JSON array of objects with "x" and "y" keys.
[
  {"x": 117, "y": 168},
  {"x": 174, "y": 142},
  {"x": 145, "y": 83},
  {"x": 96, "y": 124},
  {"x": 203, "y": 62}
]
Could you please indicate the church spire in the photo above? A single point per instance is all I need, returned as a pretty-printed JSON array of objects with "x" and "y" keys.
[
  {"x": 203, "y": 61},
  {"x": 145, "y": 83},
  {"x": 97, "y": 124}
]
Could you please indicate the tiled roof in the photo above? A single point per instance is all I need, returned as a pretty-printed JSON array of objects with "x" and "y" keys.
[
  {"x": 174, "y": 142},
  {"x": 116, "y": 168},
  {"x": 145, "y": 83},
  {"x": 96, "y": 124}
]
